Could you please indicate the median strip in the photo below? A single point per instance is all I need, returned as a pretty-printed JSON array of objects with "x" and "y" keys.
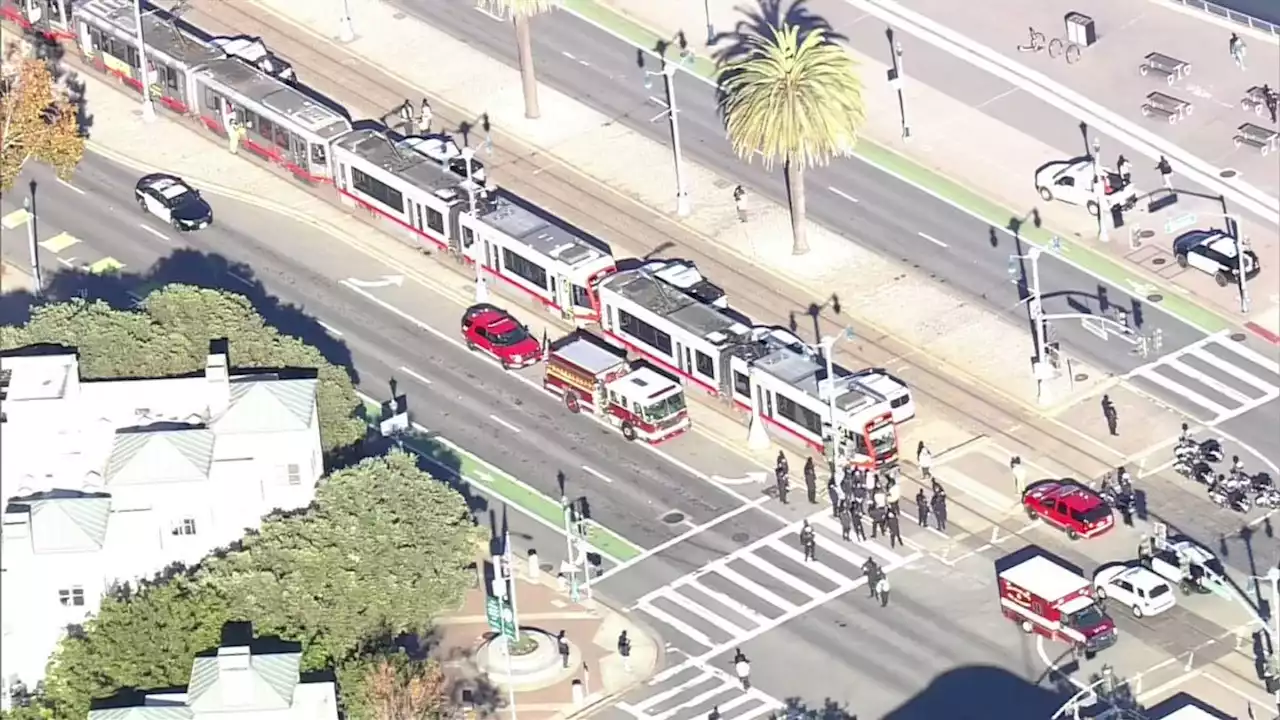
[{"x": 486, "y": 478}]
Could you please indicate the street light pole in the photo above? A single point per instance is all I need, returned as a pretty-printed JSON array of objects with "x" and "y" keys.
[
  {"x": 828, "y": 345},
  {"x": 148, "y": 108},
  {"x": 1099, "y": 191},
  {"x": 346, "y": 30},
  {"x": 899, "y": 66},
  {"x": 711, "y": 31},
  {"x": 34, "y": 248},
  {"x": 668, "y": 72}
]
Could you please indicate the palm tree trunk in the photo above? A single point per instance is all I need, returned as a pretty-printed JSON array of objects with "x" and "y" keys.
[
  {"x": 528, "y": 80},
  {"x": 795, "y": 198}
]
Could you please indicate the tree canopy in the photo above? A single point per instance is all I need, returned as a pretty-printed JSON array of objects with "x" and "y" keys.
[
  {"x": 37, "y": 119},
  {"x": 169, "y": 334},
  {"x": 393, "y": 687},
  {"x": 384, "y": 551}
]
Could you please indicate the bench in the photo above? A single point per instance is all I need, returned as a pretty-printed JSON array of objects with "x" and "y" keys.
[
  {"x": 1170, "y": 68},
  {"x": 1256, "y": 136},
  {"x": 1255, "y": 101},
  {"x": 1165, "y": 106}
]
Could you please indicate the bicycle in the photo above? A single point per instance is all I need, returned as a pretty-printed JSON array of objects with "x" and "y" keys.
[{"x": 1057, "y": 47}]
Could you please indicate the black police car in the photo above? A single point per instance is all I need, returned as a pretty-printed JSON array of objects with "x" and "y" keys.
[{"x": 171, "y": 199}]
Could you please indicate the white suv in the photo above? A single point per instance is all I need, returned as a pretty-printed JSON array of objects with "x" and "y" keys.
[
  {"x": 1144, "y": 592},
  {"x": 1214, "y": 252}
]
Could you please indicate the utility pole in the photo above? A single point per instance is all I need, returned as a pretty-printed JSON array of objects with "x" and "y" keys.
[
  {"x": 504, "y": 591},
  {"x": 672, "y": 112},
  {"x": 828, "y": 345},
  {"x": 575, "y": 539},
  {"x": 711, "y": 30},
  {"x": 36, "y": 275},
  {"x": 900, "y": 77},
  {"x": 148, "y": 108},
  {"x": 346, "y": 30},
  {"x": 1099, "y": 191}
]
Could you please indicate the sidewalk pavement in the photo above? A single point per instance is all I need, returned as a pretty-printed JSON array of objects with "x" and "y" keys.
[
  {"x": 592, "y": 629},
  {"x": 15, "y": 279},
  {"x": 968, "y": 144}
]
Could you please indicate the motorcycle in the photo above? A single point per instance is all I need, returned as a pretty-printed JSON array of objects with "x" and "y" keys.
[
  {"x": 1268, "y": 498},
  {"x": 1211, "y": 450},
  {"x": 1234, "y": 499}
]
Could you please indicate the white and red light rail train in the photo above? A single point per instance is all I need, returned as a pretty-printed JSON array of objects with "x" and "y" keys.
[{"x": 665, "y": 313}]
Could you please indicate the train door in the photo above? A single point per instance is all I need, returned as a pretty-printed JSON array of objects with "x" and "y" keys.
[
  {"x": 47, "y": 15},
  {"x": 298, "y": 151},
  {"x": 562, "y": 291}
]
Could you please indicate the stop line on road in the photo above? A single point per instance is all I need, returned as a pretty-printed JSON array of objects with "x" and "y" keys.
[{"x": 1217, "y": 374}]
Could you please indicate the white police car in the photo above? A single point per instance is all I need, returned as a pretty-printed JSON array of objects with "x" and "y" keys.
[
  {"x": 174, "y": 201},
  {"x": 1214, "y": 252}
]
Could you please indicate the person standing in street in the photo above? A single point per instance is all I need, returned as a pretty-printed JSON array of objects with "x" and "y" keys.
[
  {"x": 1111, "y": 416},
  {"x": 624, "y": 649},
  {"x": 895, "y": 532},
  {"x": 855, "y": 513},
  {"x": 924, "y": 459},
  {"x": 743, "y": 667},
  {"x": 833, "y": 495},
  {"x": 938, "y": 503},
  {"x": 740, "y": 203},
  {"x": 562, "y": 644},
  {"x": 1019, "y": 475},
  {"x": 922, "y": 508},
  {"x": 780, "y": 476},
  {"x": 1166, "y": 172},
  {"x": 872, "y": 572},
  {"x": 424, "y": 118},
  {"x": 1238, "y": 50},
  {"x": 846, "y": 522},
  {"x": 406, "y": 117},
  {"x": 879, "y": 498},
  {"x": 808, "y": 542},
  {"x": 893, "y": 496},
  {"x": 810, "y": 481},
  {"x": 882, "y": 590},
  {"x": 1124, "y": 169},
  {"x": 1271, "y": 100}
]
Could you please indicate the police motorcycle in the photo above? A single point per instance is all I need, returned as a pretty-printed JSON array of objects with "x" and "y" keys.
[
  {"x": 1266, "y": 494},
  {"x": 1118, "y": 492},
  {"x": 1231, "y": 492},
  {"x": 1193, "y": 459}
]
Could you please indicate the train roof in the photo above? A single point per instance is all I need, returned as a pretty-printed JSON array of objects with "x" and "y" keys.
[
  {"x": 276, "y": 95},
  {"x": 539, "y": 231},
  {"x": 400, "y": 158},
  {"x": 808, "y": 372},
  {"x": 641, "y": 287},
  {"x": 158, "y": 29}
]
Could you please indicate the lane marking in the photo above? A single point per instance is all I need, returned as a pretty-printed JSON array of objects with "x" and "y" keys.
[
  {"x": 330, "y": 329},
  {"x": 597, "y": 474},
  {"x": 240, "y": 279},
  {"x": 504, "y": 423},
  {"x": 59, "y": 242},
  {"x": 659, "y": 101},
  {"x": 68, "y": 185},
  {"x": 15, "y": 219},
  {"x": 106, "y": 265},
  {"x": 695, "y": 530},
  {"x": 67, "y": 262},
  {"x": 417, "y": 376},
  {"x": 483, "y": 10},
  {"x": 933, "y": 240},
  {"x": 842, "y": 194},
  {"x": 155, "y": 232}
]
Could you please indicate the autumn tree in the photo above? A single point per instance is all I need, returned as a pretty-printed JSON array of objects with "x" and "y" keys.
[
  {"x": 169, "y": 334},
  {"x": 38, "y": 121},
  {"x": 393, "y": 687}
]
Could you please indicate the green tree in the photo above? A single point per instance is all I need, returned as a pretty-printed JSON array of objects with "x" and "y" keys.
[
  {"x": 393, "y": 687},
  {"x": 385, "y": 551},
  {"x": 169, "y": 334},
  {"x": 38, "y": 121},
  {"x": 521, "y": 11},
  {"x": 794, "y": 97}
]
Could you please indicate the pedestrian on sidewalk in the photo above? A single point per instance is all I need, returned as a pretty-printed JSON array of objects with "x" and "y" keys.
[
  {"x": 743, "y": 667},
  {"x": 833, "y": 494},
  {"x": 780, "y": 477},
  {"x": 740, "y": 202},
  {"x": 406, "y": 117},
  {"x": 1238, "y": 50},
  {"x": 562, "y": 643},
  {"x": 882, "y": 590},
  {"x": 424, "y": 118},
  {"x": 714, "y": 714},
  {"x": 924, "y": 459},
  {"x": 893, "y": 496},
  {"x": 922, "y": 508},
  {"x": 846, "y": 522},
  {"x": 938, "y": 503},
  {"x": 1166, "y": 172},
  {"x": 235, "y": 133},
  {"x": 855, "y": 511},
  {"x": 624, "y": 649},
  {"x": 1019, "y": 475},
  {"x": 810, "y": 481},
  {"x": 1271, "y": 99},
  {"x": 895, "y": 532},
  {"x": 808, "y": 542},
  {"x": 1125, "y": 169},
  {"x": 848, "y": 479},
  {"x": 1111, "y": 416}
]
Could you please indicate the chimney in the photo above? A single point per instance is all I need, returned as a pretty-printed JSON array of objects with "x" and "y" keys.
[
  {"x": 235, "y": 677},
  {"x": 218, "y": 375}
]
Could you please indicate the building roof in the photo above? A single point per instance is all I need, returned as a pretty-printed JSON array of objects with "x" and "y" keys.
[
  {"x": 237, "y": 679},
  {"x": 37, "y": 376},
  {"x": 1044, "y": 577},
  {"x": 146, "y": 455},
  {"x": 68, "y": 522},
  {"x": 144, "y": 712},
  {"x": 261, "y": 404}
]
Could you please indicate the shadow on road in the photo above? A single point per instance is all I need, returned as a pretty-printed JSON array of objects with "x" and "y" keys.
[{"x": 980, "y": 691}]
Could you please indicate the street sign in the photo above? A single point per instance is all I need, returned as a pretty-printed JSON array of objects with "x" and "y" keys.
[
  {"x": 1182, "y": 222},
  {"x": 500, "y": 618}
]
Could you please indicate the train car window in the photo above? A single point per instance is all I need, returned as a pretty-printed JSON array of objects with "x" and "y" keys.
[
  {"x": 267, "y": 130},
  {"x": 282, "y": 137},
  {"x": 469, "y": 238},
  {"x": 435, "y": 220},
  {"x": 532, "y": 272},
  {"x": 131, "y": 55},
  {"x": 210, "y": 99},
  {"x": 705, "y": 366},
  {"x": 741, "y": 384},
  {"x": 644, "y": 332},
  {"x": 378, "y": 190},
  {"x": 581, "y": 297},
  {"x": 171, "y": 80},
  {"x": 802, "y": 416},
  {"x": 249, "y": 121},
  {"x": 318, "y": 155},
  {"x": 95, "y": 39}
]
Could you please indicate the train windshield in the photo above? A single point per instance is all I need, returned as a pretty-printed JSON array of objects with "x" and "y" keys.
[{"x": 883, "y": 438}]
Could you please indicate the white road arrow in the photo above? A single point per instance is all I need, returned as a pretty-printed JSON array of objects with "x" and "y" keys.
[
  {"x": 749, "y": 478},
  {"x": 1141, "y": 288},
  {"x": 386, "y": 281}
]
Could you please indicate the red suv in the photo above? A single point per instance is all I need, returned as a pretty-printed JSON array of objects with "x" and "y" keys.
[
  {"x": 493, "y": 331},
  {"x": 1069, "y": 506}
]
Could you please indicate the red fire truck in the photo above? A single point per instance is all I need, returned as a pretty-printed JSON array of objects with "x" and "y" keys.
[
  {"x": 642, "y": 403},
  {"x": 1043, "y": 596}
]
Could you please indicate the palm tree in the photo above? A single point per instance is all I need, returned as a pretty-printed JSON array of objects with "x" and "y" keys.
[
  {"x": 794, "y": 97},
  {"x": 521, "y": 11}
]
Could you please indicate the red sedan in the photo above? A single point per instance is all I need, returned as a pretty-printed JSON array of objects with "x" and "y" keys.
[
  {"x": 1070, "y": 507},
  {"x": 494, "y": 332}
]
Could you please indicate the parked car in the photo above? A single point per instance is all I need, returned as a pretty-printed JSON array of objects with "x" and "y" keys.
[
  {"x": 494, "y": 332},
  {"x": 1072, "y": 182},
  {"x": 1069, "y": 506},
  {"x": 171, "y": 199},
  {"x": 1214, "y": 252},
  {"x": 1137, "y": 588}
]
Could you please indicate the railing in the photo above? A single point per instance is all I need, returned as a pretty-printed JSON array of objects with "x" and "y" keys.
[{"x": 1234, "y": 16}]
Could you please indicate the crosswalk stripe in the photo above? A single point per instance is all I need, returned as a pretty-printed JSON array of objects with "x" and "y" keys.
[
  {"x": 1209, "y": 382},
  {"x": 754, "y": 712},
  {"x": 826, "y": 572},
  {"x": 59, "y": 242},
  {"x": 1236, "y": 372},
  {"x": 740, "y": 700},
  {"x": 694, "y": 702},
  {"x": 679, "y": 626},
  {"x": 665, "y": 695},
  {"x": 769, "y": 569},
  {"x": 753, "y": 587},
  {"x": 824, "y": 519},
  {"x": 702, "y": 612},
  {"x": 1174, "y": 387},
  {"x": 1251, "y": 356},
  {"x": 729, "y": 602}
]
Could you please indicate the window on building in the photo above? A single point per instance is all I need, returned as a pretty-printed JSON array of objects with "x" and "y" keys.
[
  {"x": 644, "y": 332},
  {"x": 530, "y": 271},
  {"x": 185, "y": 526},
  {"x": 71, "y": 597},
  {"x": 705, "y": 367},
  {"x": 295, "y": 475},
  {"x": 802, "y": 416},
  {"x": 378, "y": 190}
]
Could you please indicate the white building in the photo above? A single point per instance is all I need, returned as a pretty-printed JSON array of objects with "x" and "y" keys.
[
  {"x": 112, "y": 480},
  {"x": 238, "y": 683}
]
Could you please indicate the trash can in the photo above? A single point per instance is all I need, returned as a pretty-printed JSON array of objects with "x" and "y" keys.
[{"x": 1080, "y": 29}]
